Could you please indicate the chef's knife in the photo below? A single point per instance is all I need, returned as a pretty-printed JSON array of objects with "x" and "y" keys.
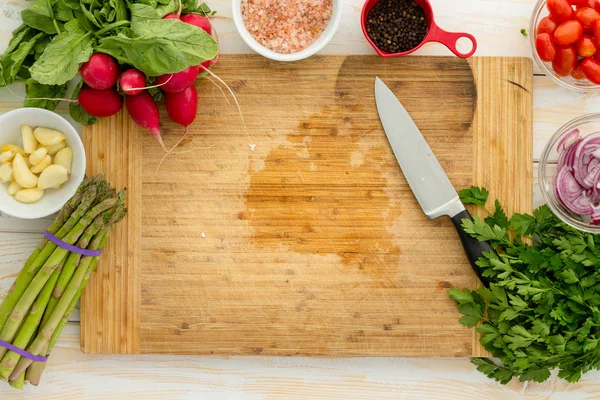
[{"x": 423, "y": 172}]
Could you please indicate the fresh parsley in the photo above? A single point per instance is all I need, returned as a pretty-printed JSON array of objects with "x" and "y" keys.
[
  {"x": 542, "y": 309},
  {"x": 474, "y": 195}
]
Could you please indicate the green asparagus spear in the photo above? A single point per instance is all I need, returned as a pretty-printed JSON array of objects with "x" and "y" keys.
[
  {"x": 34, "y": 372},
  {"x": 35, "y": 286},
  {"x": 27, "y": 274},
  {"x": 73, "y": 288},
  {"x": 99, "y": 223},
  {"x": 29, "y": 326},
  {"x": 18, "y": 383},
  {"x": 64, "y": 214},
  {"x": 42, "y": 302}
]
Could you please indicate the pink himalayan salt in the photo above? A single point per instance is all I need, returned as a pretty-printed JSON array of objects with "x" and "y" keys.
[{"x": 286, "y": 26}]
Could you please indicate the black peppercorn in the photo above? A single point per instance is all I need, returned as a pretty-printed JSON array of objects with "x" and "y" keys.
[{"x": 397, "y": 25}]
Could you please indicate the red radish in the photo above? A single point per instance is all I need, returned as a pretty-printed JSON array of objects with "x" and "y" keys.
[
  {"x": 209, "y": 63},
  {"x": 199, "y": 21},
  {"x": 171, "y": 16},
  {"x": 177, "y": 82},
  {"x": 100, "y": 103},
  {"x": 182, "y": 106},
  {"x": 132, "y": 82},
  {"x": 144, "y": 112},
  {"x": 100, "y": 72}
]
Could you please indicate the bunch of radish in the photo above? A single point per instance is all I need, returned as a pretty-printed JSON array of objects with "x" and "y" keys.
[{"x": 100, "y": 95}]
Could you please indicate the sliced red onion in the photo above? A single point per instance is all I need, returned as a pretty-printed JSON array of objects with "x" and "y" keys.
[
  {"x": 589, "y": 178},
  {"x": 567, "y": 157},
  {"x": 585, "y": 148},
  {"x": 596, "y": 185},
  {"x": 593, "y": 163},
  {"x": 568, "y": 140},
  {"x": 569, "y": 192},
  {"x": 577, "y": 183}
]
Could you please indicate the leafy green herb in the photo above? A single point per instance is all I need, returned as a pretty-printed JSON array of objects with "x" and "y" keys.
[
  {"x": 37, "y": 90},
  {"x": 524, "y": 32},
  {"x": 10, "y": 64},
  {"x": 78, "y": 113},
  {"x": 60, "y": 62},
  {"x": 41, "y": 16},
  {"x": 542, "y": 309},
  {"x": 20, "y": 35},
  {"x": 158, "y": 47},
  {"x": 474, "y": 195},
  {"x": 202, "y": 9}
]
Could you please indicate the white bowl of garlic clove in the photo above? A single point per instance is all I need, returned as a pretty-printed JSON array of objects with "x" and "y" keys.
[{"x": 54, "y": 198}]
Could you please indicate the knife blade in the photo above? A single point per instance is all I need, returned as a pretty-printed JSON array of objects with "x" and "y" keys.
[{"x": 423, "y": 172}]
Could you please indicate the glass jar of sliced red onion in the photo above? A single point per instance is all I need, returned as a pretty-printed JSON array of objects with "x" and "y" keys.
[{"x": 569, "y": 174}]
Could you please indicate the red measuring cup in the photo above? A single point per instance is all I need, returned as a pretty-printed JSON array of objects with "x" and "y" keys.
[{"x": 434, "y": 32}]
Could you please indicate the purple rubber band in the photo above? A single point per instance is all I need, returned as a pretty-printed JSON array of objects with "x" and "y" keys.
[
  {"x": 70, "y": 247},
  {"x": 22, "y": 352}
]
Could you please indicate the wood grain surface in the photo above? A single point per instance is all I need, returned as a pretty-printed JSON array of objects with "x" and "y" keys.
[
  {"x": 76, "y": 376},
  {"x": 299, "y": 235}
]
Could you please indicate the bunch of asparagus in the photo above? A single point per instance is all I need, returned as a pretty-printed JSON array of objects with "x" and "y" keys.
[{"x": 39, "y": 303}]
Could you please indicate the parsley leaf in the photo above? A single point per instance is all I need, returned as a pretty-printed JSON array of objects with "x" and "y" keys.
[
  {"x": 498, "y": 217},
  {"x": 474, "y": 195},
  {"x": 541, "y": 309}
]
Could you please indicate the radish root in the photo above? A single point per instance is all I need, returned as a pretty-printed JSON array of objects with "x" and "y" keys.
[
  {"x": 251, "y": 145},
  {"x": 39, "y": 98},
  {"x": 220, "y": 88},
  {"x": 185, "y": 133},
  {"x": 180, "y": 152},
  {"x": 151, "y": 87}
]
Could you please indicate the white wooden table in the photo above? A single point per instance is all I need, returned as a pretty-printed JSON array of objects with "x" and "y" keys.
[{"x": 73, "y": 375}]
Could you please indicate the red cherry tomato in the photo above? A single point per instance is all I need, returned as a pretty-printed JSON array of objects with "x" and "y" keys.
[
  {"x": 587, "y": 17},
  {"x": 545, "y": 47},
  {"x": 565, "y": 61},
  {"x": 561, "y": 10},
  {"x": 595, "y": 4},
  {"x": 596, "y": 33},
  {"x": 591, "y": 70},
  {"x": 585, "y": 46},
  {"x": 568, "y": 33},
  {"x": 546, "y": 25},
  {"x": 577, "y": 73}
]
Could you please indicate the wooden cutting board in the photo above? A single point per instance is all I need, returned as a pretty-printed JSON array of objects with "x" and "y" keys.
[{"x": 300, "y": 236}]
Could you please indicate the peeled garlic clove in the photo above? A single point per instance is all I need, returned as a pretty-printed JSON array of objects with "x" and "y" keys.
[
  {"x": 6, "y": 156},
  {"x": 48, "y": 137},
  {"x": 54, "y": 175},
  {"x": 29, "y": 196},
  {"x": 22, "y": 175},
  {"x": 38, "y": 155},
  {"x": 13, "y": 148},
  {"x": 6, "y": 173},
  {"x": 52, "y": 150},
  {"x": 13, "y": 188},
  {"x": 42, "y": 165},
  {"x": 29, "y": 141},
  {"x": 65, "y": 158}
]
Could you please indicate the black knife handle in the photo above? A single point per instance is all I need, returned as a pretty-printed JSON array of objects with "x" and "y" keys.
[{"x": 473, "y": 247}]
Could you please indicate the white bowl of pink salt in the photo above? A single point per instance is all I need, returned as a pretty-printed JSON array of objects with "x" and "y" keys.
[{"x": 287, "y": 30}]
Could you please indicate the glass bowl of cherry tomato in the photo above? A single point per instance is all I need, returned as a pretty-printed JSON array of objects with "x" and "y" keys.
[{"x": 565, "y": 39}]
